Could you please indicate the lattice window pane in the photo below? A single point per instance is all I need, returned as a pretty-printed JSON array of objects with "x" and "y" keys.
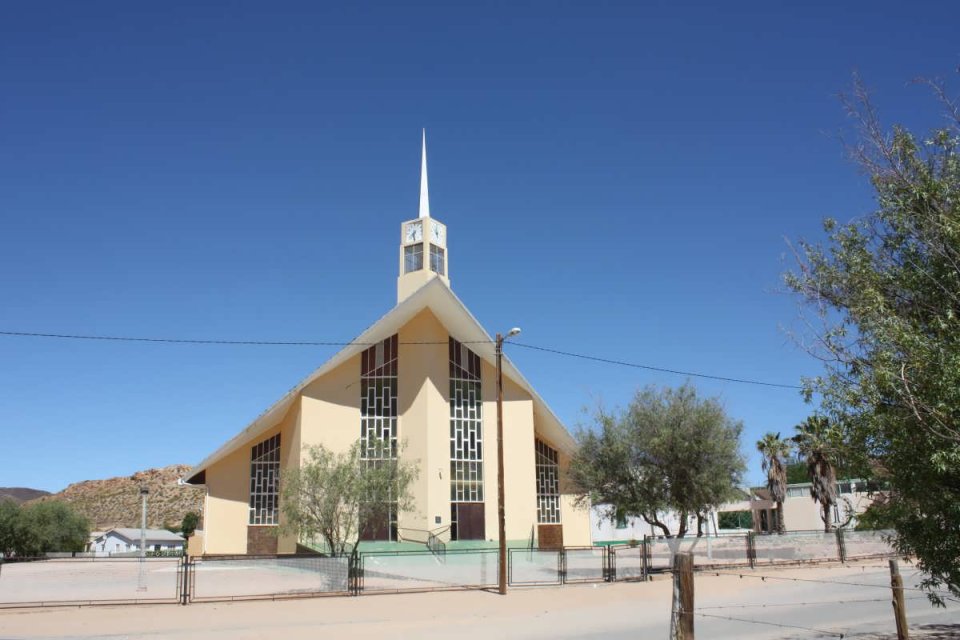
[
  {"x": 413, "y": 258},
  {"x": 436, "y": 259},
  {"x": 265, "y": 481},
  {"x": 378, "y": 407},
  {"x": 548, "y": 484},
  {"x": 466, "y": 425}
]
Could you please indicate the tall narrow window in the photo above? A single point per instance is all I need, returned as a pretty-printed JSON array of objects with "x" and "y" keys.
[
  {"x": 436, "y": 259},
  {"x": 378, "y": 421},
  {"x": 466, "y": 444},
  {"x": 413, "y": 258},
  {"x": 265, "y": 481},
  {"x": 548, "y": 484}
]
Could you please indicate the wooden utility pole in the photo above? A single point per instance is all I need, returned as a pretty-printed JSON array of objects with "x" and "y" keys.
[
  {"x": 681, "y": 621},
  {"x": 899, "y": 608},
  {"x": 501, "y": 518}
]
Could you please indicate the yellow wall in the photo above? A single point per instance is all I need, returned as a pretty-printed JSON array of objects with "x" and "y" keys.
[
  {"x": 802, "y": 512},
  {"x": 576, "y": 520},
  {"x": 330, "y": 408},
  {"x": 520, "y": 492},
  {"x": 195, "y": 544},
  {"x": 424, "y": 421},
  {"x": 226, "y": 511},
  {"x": 227, "y": 506},
  {"x": 328, "y": 413}
]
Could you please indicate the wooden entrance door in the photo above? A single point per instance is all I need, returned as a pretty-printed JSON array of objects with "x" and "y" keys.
[{"x": 470, "y": 521}]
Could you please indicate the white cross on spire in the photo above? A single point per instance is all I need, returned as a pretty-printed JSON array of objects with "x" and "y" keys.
[{"x": 424, "y": 195}]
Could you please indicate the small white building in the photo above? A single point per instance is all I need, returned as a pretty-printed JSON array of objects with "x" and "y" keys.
[
  {"x": 756, "y": 512},
  {"x": 122, "y": 540}
]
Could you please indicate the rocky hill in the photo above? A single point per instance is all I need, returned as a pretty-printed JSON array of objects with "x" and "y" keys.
[
  {"x": 21, "y": 494},
  {"x": 115, "y": 502}
]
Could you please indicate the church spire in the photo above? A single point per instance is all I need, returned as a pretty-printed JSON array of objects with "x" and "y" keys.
[{"x": 424, "y": 195}]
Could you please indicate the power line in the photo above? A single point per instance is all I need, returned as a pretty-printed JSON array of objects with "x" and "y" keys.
[
  {"x": 66, "y": 336},
  {"x": 267, "y": 343},
  {"x": 658, "y": 369},
  {"x": 327, "y": 343}
]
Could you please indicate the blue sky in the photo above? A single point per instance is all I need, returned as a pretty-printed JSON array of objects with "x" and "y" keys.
[{"x": 617, "y": 178}]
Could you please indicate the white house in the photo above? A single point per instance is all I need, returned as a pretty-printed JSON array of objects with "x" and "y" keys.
[
  {"x": 755, "y": 512},
  {"x": 126, "y": 540}
]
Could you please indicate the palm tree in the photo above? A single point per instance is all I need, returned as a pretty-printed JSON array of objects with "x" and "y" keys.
[
  {"x": 774, "y": 450},
  {"x": 814, "y": 441}
]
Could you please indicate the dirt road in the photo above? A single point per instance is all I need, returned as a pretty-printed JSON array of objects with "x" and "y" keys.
[{"x": 814, "y": 602}]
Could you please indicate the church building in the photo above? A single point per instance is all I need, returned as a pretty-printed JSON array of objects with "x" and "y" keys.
[{"x": 423, "y": 375}]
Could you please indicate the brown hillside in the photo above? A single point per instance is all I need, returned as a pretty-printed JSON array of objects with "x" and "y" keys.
[
  {"x": 115, "y": 502},
  {"x": 21, "y": 494}
]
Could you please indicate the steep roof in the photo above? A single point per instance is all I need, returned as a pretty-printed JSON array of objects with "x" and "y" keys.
[{"x": 452, "y": 314}]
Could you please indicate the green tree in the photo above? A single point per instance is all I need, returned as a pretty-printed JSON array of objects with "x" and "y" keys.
[
  {"x": 191, "y": 520},
  {"x": 9, "y": 516},
  {"x": 817, "y": 444},
  {"x": 883, "y": 295},
  {"x": 735, "y": 520},
  {"x": 50, "y": 526},
  {"x": 669, "y": 450},
  {"x": 876, "y": 517},
  {"x": 333, "y": 496},
  {"x": 774, "y": 452},
  {"x": 796, "y": 472}
]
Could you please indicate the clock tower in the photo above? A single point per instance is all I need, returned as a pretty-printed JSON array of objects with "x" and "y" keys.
[{"x": 423, "y": 244}]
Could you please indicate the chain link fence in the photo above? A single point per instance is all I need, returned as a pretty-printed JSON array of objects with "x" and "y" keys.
[{"x": 81, "y": 581}]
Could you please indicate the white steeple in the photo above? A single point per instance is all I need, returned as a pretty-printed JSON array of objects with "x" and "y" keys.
[
  {"x": 424, "y": 195},
  {"x": 423, "y": 243}
]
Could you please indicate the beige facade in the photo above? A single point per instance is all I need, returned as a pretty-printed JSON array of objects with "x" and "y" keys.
[
  {"x": 326, "y": 409},
  {"x": 800, "y": 511}
]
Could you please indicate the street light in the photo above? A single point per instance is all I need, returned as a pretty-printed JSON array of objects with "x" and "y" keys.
[
  {"x": 501, "y": 517},
  {"x": 142, "y": 576}
]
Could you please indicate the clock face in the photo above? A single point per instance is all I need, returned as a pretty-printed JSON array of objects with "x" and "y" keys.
[
  {"x": 437, "y": 232},
  {"x": 414, "y": 232}
]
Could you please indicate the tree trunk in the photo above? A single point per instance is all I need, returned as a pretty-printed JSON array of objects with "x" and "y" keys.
[
  {"x": 827, "y": 526},
  {"x": 654, "y": 522},
  {"x": 781, "y": 527},
  {"x": 699, "y": 525},
  {"x": 683, "y": 524}
]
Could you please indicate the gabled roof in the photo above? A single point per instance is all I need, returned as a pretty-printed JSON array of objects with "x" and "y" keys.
[
  {"x": 153, "y": 535},
  {"x": 455, "y": 317}
]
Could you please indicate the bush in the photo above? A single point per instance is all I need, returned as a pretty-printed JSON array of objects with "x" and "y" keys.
[{"x": 42, "y": 527}]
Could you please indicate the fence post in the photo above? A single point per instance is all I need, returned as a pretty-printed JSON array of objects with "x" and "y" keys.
[
  {"x": 645, "y": 550},
  {"x": 841, "y": 548},
  {"x": 681, "y": 619},
  {"x": 562, "y": 566},
  {"x": 356, "y": 569},
  {"x": 899, "y": 608},
  {"x": 187, "y": 567},
  {"x": 751, "y": 549},
  {"x": 610, "y": 565}
]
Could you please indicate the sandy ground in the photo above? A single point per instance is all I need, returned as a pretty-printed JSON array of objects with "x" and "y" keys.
[{"x": 621, "y": 610}]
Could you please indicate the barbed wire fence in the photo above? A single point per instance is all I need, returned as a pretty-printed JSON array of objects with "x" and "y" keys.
[{"x": 683, "y": 610}]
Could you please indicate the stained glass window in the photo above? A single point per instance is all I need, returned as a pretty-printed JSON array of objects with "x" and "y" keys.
[
  {"x": 466, "y": 425},
  {"x": 378, "y": 413},
  {"x": 548, "y": 484},
  {"x": 265, "y": 481}
]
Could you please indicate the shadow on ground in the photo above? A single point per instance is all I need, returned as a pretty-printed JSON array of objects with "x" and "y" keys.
[{"x": 927, "y": 632}]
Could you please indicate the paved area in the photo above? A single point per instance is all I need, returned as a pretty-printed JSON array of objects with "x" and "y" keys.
[{"x": 811, "y": 603}]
